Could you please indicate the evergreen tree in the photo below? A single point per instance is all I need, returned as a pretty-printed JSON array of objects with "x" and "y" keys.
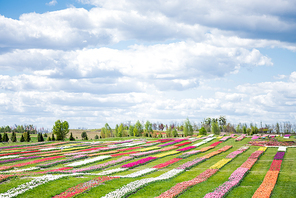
[
  {"x": 45, "y": 135},
  {"x": 0, "y": 138},
  {"x": 41, "y": 138},
  {"x": 48, "y": 138},
  {"x": 13, "y": 137},
  {"x": 215, "y": 128},
  {"x": 96, "y": 137},
  {"x": 38, "y": 137},
  {"x": 22, "y": 138},
  {"x": 5, "y": 137},
  {"x": 52, "y": 137},
  {"x": 131, "y": 130},
  {"x": 84, "y": 135},
  {"x": 27, "y": 136},
  {"x": 71, "y": 137}
]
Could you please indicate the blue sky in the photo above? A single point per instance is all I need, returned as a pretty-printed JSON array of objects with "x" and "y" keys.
[{"x": 95, "y": 61}]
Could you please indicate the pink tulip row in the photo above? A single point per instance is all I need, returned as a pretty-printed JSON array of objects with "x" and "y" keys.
[
  {"x": 186, "y": 148},
  {"x": 80, "y": 188},
  {"x": 139, "y": 162},
  {"x": 240, "y": 138}
]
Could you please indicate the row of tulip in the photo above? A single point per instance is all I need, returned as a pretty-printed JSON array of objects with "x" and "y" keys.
[
  {"x": 142, "y": 154},
  {"x": 186, "y": 148},
  {"x": 138, "y": 162},
  {"x": 240, "y": 138},
  {"x": 225, "y": 138},
  {"x": 75, "y": 158},
  {"x": 100, "y": 166},
  {"x": 270, "y": 179},
  {"x": 17, "y": 159},
  {"x": 80, "y": 188},
  {"x": 30, "y": 162},
  {"x": 9, "y": 157},
  {"x": 135, "y": 185},
  {"x": 167, "y": 163},
  {"x": 164, "y": 154},
  {"x": 188, "y": 154},
  {"x": 204, "y": 141},
  {"x": 88, "y": 161},
  {"x": 181, "y": 187},
  {"x": 235, "y": 178},
  {"x": 171, "y": 143},
  {"x": 140, "y": 173}
]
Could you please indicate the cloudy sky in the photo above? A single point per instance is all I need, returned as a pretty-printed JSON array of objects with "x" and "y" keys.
[{"x": 95, "y": 61}]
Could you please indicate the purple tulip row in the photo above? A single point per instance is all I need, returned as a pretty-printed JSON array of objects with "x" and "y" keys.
[
  {"x": 17, "y": 159},
  {"x": 279, "y": 155},
  {"x": 188, "y": 154},
  {"x": 174, "y": 142}
]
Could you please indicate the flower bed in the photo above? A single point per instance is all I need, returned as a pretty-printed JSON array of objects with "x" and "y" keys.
[
  {"x": 28, "y": 163},
  {"x": 186, "y": 148},
  {"x": 220, "y": 164},
  {"x": 119, "y": 154},
  {"x": 140, "y": 173},
  {"x": 249, "y": 163},
  {"x": 168, "y": 148},
  {"x": 17, "y": 159},
  {"x": 182, "y": 144},
  {"x": 127, "y": 149},
  {"x": 88, "y": 161},
  {"x": 188, "y": 154},
  {"x": 139, "y": 162},
  {"x": 225, "y": 138},
  {"x": 78, "y": 157},
  {"x": 240, "y": 138},
  {"x": 80, "y": 188},
  {"x": 279, "y": 155},
  {"x": 142, "y": 154},
  {"x": 111, "y": 171},
  {"x": 166, "y": 154},
  {"x": 165, "y": 164},
  {"x": 267, "y": 185},
  {"x": 256, "y": 154},
  {"x": 216, "y": 143},
  {"x": 204, "y": 149},
  {"x": 275, "y": 165},
  {"x": 192, "y": 163}
]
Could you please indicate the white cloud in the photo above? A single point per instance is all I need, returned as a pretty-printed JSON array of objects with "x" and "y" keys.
[{"x": 52, "y": 3}]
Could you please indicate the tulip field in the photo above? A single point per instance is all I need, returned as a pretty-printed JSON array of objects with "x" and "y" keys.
[{"x": 199, "y": 166}]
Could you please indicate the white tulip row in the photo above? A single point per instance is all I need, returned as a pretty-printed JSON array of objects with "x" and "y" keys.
[
  {"x": 140, "y": 173},
  {"x": 87, "y": 161},
  {"x": 282, "y": 148},
  {"x": 9, "y": 157},
  {"x": 134, "y": 186},
  {"x": 29, "y": 185},
  {"x": 22, "y": 170},
  {"x": 108, "y": 172},
  {"x": 204, "y": 141}
]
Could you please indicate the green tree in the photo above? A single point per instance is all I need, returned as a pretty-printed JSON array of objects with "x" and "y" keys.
[
  {"x": 61, "y": 129},
  {"x": 96, "y": 137},
  {"x": 188, "y": 129},
  {"x": 103, "y": 132},
  {"x": 48, "y": 138},
  {"x": 84, "y": 135},
  {"x": 139, "y": 129},
  {"x": 0, "y": 138},
  {"x": 238, "y": 128},
  {"x": 27, "y": 136},
  {"x": 45, "y": 135},
  {"x": 7, "y": 129},
  {"x": 109, "y": 132},
  {"x": 131, "y": 130},
  {"x": 169, "y": 132},
  {"x": 202, "y": 131},
  {"x": 215, "y": 127},
  {"x": 244, "y": 129},
  {"x": 148, "y": 127},
  {"x": 116, "y": 130},
  {"x": 120, "y": 130},
  {"x": 13, "y": 137},
  {"x": 174, "y": 132},
  {"x": 5, "y": 137},
  {"x": 52, "y": 137},
  {"x": 277, "y": 128},
  {"x": 71, "y": 138},
  {"x": 22, "y": 138}
]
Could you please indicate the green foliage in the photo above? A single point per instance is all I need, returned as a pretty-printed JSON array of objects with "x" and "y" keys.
[
  {"x": 139, "y": 129},
  {"x": 131, "y": 130},
  {"x": 244, "y": 129},
  {"x": 202, "y": 131},
  {"x": 22, "y": 138},
  {"x": 109, "y": 132},
  {"x": 169, "y": 132},
  {"x": 116, "y": 130},
  {"x": 188, "y": 129},
  {"x": 27, "y": 136},
  {"x": 61, "y": 129},
  {"x": 40, "y": 137},
  {"x": 148, "y": 127},
  {"x": 159, "y": 135},
  {"x": 71, "y": 138},
  {"x": 248, "y": 131},
  {"x": 5, "y": 137},
  {"x": 48, "y": 138},
  {"x": 238, "y": 128},
  {"x": 13, "y": 137},
  {"x": 52, "y": 137},
  {"x": 7, "y": 129},
  {"x": 174, "y": 132},
  {"x": 96, "y": 137},
  {"x": 103, "y": 132},
  {"x": 215, "y": 127},
  {"x": 84, "y": 135},
  {"x": 0, "y": 138},
  {"x": 120, "y": 130},
  {"x": 45, "y": 135}
]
